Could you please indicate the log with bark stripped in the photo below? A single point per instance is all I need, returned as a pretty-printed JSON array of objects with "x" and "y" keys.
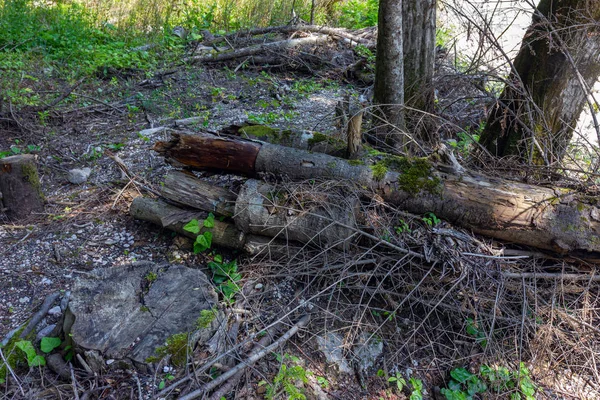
[{"x": 556, "y": 219}]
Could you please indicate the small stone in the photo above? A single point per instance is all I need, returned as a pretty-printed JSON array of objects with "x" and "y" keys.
[
  {"x": 54, "y": 310},
  {"x": 331, "y": 345},
  {"x": 24, "y": 300},
  {"x": 73, "y": 237},
  {"x": 108, "y": 362},
  {"x": 45, "y": 332},
  {"x": 78, "y": 176},
  {"x": 46, "y": 281},
  {"x": 258, "y": 286}
]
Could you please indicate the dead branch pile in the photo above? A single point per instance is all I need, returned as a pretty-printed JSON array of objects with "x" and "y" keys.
[
  {"x": 360, "y": 266},
  {"x": 300, "y": 47}
]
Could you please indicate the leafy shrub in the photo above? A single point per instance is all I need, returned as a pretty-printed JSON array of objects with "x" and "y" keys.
[{"x": 357, "y": 14}]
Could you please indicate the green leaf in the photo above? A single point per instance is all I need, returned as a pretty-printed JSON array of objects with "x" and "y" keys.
[
  {"x": 161, "y": 385},
  {"x": 37, "y": 361},
  {"x": 192, "y": 226},
  {"x": 203, "y": 242},
  {"x": 49, "y": 343},
  {"x": 33, "y": 359},
  {"x": 453, "y": 394},
  {"x": 453, "y": 385},
  {"x": 476, "y": 386},
  {"x": 209, "y": 222},
  {"x": 461, "y": 375}
]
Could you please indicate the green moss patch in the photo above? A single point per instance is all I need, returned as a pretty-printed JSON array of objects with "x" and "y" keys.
[
  {"x": 415, "y": 173},
  {"x": 176, "y": 346},
  {"x": 265, "y": 133}
]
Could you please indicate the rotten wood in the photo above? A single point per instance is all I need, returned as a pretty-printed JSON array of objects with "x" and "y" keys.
[
  {"x": 188, "y": 190},
  {"x": 225, "y": 154},
  {"x": 556, "y": 219},
  {"x": 354, "y": 135}
]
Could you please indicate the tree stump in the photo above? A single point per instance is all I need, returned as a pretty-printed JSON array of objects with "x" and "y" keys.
[{"x": 20, "y": 186}]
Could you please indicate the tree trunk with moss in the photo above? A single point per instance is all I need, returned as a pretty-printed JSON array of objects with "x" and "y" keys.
[
  {"x": 389, "y": 75},
  {"x": 418, "y": 20},
  {"x": 536, "y": 114},
  {"x": 20, "y": 187},
  {"x": 555, "y": 219}
]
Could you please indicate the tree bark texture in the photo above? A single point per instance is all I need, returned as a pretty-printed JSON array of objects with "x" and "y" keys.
[
  {"x": 20, "y": 187},
  {"x": 389, "y": 73},
  {"x": 418, "y": 20},
  {"x": 554, "y": 219},
  {"x": 190, "y": 191},
  {"x": 546, "y": 94},
  {"x": 174, "y": 218}
]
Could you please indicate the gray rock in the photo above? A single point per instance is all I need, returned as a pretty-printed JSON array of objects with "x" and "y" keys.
[
  {"x": 45, "y": 332},
  {"x": 331, "y": 346},
  {"x": 79, "y": 176},
  {"x": 125, "y": 313},
  {"x": 367, "y": 349},
  {"x": 54, "y": 310},
  {"x": 64, "y": 302}
]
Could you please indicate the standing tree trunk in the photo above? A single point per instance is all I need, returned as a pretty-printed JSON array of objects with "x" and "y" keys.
[
  {"x": 548, "y": 87},
  {"x": 389, "y": 75},
  {"x": 418, "y": 20}
]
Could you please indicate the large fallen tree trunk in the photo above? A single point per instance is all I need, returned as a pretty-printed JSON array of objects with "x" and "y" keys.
[
  {"x": 253, "y": 50},
  {"x": 558, "y": 219},
  {"x": 339, "y": 32}
]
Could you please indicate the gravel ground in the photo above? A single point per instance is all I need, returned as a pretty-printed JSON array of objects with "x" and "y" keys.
[{"x": 88, "y": 226}]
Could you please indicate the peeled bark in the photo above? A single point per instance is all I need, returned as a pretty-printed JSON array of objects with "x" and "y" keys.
[
  {"x": 558, "y": 219},
  {"x": 389, "y": 74},
  {"x": 546, "y": 94},
  {"x": 20, "y": 187}
]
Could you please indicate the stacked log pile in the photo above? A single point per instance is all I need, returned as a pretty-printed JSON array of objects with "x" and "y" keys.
[{"x": 554, "y": 219}]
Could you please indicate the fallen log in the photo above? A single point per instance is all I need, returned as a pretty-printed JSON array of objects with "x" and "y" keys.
[
  {"x": 326, "y": 218},
  {"x": 223, "y": 234},
  {"x": 556, "y": 219},
  {"x": 252, "y": 50},
  {"x": 174, "y": 218},
  {"x": 187, "y": 190},
  {"x": 339, "y": 32}
]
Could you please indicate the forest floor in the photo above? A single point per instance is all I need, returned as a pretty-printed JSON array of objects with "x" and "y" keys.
[{"x": 88, "y": 226}]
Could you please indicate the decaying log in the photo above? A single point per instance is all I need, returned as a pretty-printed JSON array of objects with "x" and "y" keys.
[
  {"x": 252, "y": 50},
  {"x": 20, "y": 187},
  {"x": 298, "y": 139},
  {"x": 336, "y": 32},
  {"x": 560, "y": 220},
  {"x": 260, "y": 209},
  {"x": 185, "y": 189},
  {"x": 173, "y": 218}
]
